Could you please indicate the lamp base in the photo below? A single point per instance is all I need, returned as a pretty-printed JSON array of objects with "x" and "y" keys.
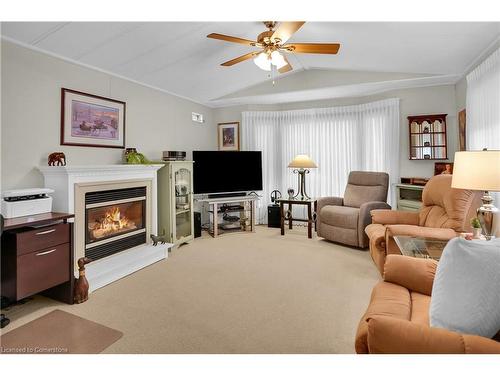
[
  {"x": 488, "y": 216},
  {"x": 302, "y": 183}
]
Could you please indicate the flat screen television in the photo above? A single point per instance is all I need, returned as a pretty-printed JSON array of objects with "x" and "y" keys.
[{"x": 227, "y": 171}]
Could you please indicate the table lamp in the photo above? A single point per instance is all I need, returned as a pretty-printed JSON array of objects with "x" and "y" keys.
[
  {"x": 301, "y": 165},
  {"x": 480, "y": 170}
]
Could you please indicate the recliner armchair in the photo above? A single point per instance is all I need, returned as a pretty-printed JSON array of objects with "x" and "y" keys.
[
  {"x": 445, "y": 212},
  {"x": 344, "y": 219}
]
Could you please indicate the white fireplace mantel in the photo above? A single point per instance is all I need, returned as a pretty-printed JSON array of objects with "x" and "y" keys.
[
  {"x": 63, "y": 178},
  {"x": 66, "y": 180}
]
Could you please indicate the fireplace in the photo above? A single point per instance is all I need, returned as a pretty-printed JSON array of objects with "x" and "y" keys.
[
  {"x": 115, "y": 220},
  {"x": 102, "y": 197}
]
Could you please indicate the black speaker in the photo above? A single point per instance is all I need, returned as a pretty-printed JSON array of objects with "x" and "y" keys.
[
  {"x": 197, "y": 224},
  {"x": 273, "y": 216}
]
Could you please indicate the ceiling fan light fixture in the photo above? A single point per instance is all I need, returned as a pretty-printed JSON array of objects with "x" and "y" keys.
[
  {"x": 278, "y": 60},
  {"x": 262, "y": 61}
]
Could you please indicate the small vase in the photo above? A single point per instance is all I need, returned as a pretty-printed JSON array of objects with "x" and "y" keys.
[{"x": 476, "y": 233}]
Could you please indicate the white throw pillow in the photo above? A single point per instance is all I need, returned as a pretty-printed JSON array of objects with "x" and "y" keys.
[{"x": 466, "y": 290}]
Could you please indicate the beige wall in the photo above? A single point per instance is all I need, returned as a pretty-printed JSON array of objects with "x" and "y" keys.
[
  {"x": 415, "y": 101},
  {"x": 31, "y": 84}
]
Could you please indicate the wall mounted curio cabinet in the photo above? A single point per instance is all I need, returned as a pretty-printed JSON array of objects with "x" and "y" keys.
[{"x": 428, "y": 137}]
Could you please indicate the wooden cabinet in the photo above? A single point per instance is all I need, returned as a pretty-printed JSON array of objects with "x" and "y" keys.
[
  {"x": 38, "y": 259},
  {"x": 428, "y": 137},
  {"x": 175, "y": 201}
]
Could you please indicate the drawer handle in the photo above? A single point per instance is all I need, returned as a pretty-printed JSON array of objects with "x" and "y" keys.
[
  {"x": 45, "y": 232},
  {"x": 46, "y": 252}
]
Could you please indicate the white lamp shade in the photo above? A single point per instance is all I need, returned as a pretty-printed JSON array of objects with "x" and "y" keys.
[
  {"x": 476, "y": 170},
  {"x": 278, "y": 60},
  {"x": 262, "y": 61},
  {"x": 302, "y": 161}
]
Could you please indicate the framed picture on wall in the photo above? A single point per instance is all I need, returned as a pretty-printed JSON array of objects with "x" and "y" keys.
[
  {"x": 229, "y": 136},
  {"x": 461, "y": 130},
  {"x": 443, "y": 168},
  {"x": 91, "y": 120}
]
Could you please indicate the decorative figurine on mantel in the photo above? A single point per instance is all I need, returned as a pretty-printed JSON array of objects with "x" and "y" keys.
[
  {"x": 81, "y": 293},
  {"x": 57, "y": 158},
  {"x": 128, "y": 150},
  {"x": 134, "y": 157}
]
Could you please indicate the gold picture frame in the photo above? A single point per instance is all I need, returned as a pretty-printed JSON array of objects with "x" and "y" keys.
[{"x": 228, "y": 136}]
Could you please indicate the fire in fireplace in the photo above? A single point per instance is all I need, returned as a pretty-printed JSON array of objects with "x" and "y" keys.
[
  {"x": 109, "y": 221},
  {"x": 116, "y": 221}
]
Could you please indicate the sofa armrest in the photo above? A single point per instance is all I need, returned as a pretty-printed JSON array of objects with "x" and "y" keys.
[
  {"x": 412, "y": 273},
  {"x": 387, "y": 217},
  {"x": 364, "y": 219},
  {"x": 328, "y": 201},
  {"x": 365, "y": 211},
  {"x": 387, "y": 335}
]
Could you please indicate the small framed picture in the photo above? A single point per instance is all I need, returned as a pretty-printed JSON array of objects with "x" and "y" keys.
[
  {"x": 229, "y": 136},
  {"x": 91, "y": 120},
  {"x": 443, "y": 168},
  {"x": 462, "y": 120}
]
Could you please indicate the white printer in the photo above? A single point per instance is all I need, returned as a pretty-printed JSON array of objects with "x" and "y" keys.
[{"x": 25, "y": 202}]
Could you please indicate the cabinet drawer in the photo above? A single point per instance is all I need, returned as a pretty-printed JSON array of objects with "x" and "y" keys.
[
  {"x": 41, "y": 238},
  {"x": 42, "y": 269}
]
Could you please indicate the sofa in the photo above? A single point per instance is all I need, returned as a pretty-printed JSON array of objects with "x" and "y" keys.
[
  {"x": 445, "y": 212},
  {"x": 344, "y": 219},
  {"x": 397, "y": 318}
]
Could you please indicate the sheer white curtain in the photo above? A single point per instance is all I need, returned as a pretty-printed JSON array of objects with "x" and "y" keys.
[
  {"x": 338, "y": 139},
  {"x": 483, "y": 107}
]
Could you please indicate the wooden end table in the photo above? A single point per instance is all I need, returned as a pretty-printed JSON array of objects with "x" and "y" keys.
[{"x": 287, "y": 215}]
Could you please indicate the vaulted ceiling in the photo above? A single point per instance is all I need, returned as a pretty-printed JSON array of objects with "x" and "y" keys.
[{"x": 177, "y": 56}]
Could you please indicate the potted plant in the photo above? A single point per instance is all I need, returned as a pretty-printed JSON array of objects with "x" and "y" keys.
[{"x": 476, "y": 228}]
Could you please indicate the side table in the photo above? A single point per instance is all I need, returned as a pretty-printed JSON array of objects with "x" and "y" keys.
[
  {"x": 420, "y": 247},
  {"x": 287, "y": 215}
]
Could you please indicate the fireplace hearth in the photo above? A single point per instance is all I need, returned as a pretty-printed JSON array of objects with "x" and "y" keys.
[{"x": 115, "y": 221}]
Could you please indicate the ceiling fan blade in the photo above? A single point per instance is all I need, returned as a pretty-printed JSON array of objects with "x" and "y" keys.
[
  {"x": 232, "y": 39},
  {"x": 287, "y": 67},
  {"x": 240, "y": 59},
  {"x": 285, "y": 30},
  {"x": 327, "y": 48}
]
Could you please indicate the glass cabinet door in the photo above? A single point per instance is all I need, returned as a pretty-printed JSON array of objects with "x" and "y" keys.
[{"x": 183, "y": 202}]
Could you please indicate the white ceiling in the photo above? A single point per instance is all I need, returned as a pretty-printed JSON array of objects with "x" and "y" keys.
[{"x": 177, "y": 56}]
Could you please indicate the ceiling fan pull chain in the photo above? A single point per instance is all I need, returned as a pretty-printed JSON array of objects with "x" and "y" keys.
[{"x": 273, "y": 73}]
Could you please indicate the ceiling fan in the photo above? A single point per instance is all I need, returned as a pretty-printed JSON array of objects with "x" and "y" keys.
[{"x": 273, "y": 43}]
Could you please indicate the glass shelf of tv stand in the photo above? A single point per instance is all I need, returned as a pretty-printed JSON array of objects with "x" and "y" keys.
[{"x": 217, "y": 205}]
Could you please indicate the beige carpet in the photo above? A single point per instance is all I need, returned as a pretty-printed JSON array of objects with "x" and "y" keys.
[
  {"x": 58, "y": 332},
  {"x": 239, "y": 293}
]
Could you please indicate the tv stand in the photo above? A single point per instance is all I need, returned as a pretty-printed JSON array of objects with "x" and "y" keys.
[
  {"x": 227, "y": 195},
  {"x": 218, "y": 206}
]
